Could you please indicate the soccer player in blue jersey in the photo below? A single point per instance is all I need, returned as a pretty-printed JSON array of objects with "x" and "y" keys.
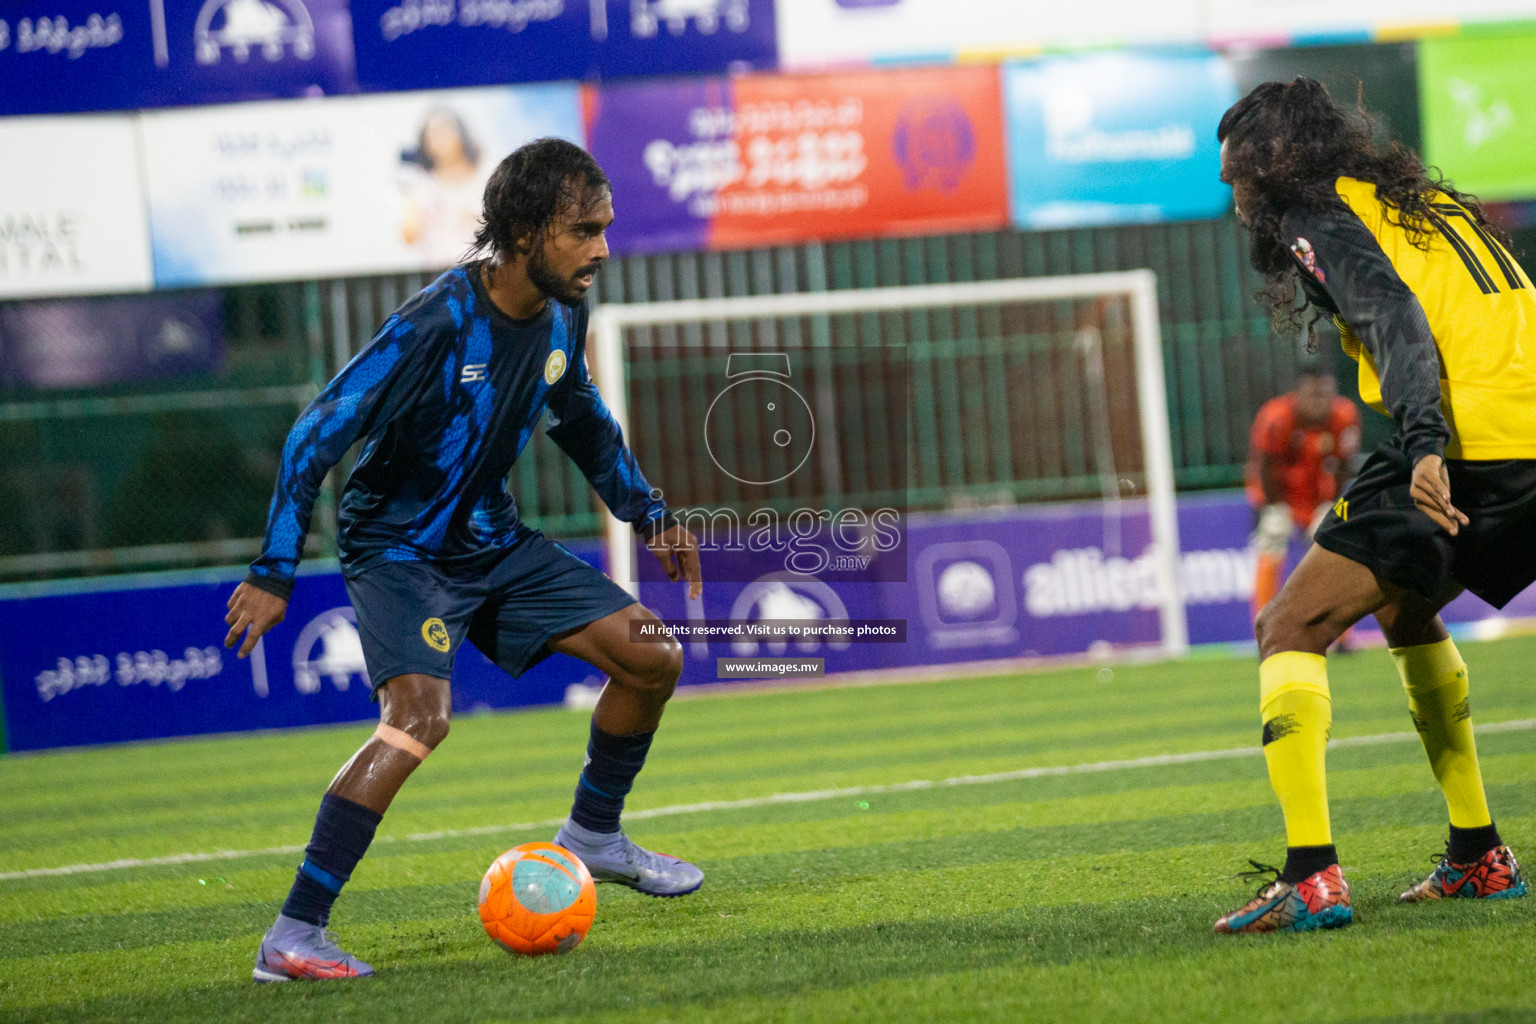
[{"x": 444, "y": 398}]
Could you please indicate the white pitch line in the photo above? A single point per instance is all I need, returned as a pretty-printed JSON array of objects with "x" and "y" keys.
[{"x": 809, "y": 796}]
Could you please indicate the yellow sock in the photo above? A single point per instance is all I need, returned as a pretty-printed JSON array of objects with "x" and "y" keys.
[
  {"x": 1297, "y": 712},
  {"x": 1436, "y": 680}
]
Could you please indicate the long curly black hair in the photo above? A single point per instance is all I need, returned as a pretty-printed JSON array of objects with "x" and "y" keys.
[
  {"x": 530, "y": 188},
  {"x": 1290, "y": 141}
]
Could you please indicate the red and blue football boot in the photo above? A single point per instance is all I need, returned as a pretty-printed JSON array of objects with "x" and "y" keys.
[
  {"x": 1493, "y": 876},
  {"x": 1320, "y": 900}
]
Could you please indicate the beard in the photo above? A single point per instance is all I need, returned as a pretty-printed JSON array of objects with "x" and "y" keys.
[{"x": 548, "y": 281}]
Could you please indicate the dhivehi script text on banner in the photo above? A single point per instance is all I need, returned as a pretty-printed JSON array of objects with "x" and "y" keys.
[
  {"x": 64, "y": 56},
  {"x": 423, "y": 44},
  {"x": 769, "y": 159}
]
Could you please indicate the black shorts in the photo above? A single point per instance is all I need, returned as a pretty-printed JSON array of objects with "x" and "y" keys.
[
  {"x": 413, "y": 616},
  {"x": 1376, "y": 524}
]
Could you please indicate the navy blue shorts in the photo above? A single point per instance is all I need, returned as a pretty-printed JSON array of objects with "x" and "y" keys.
[{"x": 413, "y": 616}]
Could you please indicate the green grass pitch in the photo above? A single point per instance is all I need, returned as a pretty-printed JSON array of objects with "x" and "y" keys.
[{"x": 1075, "y": 896}]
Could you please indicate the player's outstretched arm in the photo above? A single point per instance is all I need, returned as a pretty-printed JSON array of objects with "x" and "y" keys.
[
  {"x": 252, "y": 611},
  {"x": 370, "y": 391},
  {"x": 584, "y": 428}
]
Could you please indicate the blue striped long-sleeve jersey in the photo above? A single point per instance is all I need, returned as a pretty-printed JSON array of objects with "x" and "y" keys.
[{"x": 446, "y": 395}]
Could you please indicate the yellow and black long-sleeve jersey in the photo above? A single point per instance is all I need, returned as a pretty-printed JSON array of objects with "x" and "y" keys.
[{"x": 1445, "y": 337}]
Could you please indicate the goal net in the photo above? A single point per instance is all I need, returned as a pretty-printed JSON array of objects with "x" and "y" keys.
[{"x": 944, "y": 404}]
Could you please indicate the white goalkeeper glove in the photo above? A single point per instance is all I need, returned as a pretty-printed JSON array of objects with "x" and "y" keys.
[{"x": 1273, "y": 534}]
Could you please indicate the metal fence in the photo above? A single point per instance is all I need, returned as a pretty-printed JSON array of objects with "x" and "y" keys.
[{"x": 155, "y": 475}]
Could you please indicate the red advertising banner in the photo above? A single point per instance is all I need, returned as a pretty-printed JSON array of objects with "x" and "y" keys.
[
  {"x": 769, "y": 159},
  {"x": 913, "y": 150}
]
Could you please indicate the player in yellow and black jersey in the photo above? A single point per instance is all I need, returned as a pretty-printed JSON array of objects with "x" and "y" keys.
[{"x": 1442, "y": 322}]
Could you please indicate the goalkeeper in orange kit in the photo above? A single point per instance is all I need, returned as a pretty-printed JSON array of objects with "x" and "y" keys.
[{"x": 1301, "y": 450}]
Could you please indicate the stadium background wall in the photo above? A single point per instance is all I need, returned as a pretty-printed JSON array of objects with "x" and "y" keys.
[
  {"x": 177, "y": 471},
  {"x": 129, "y": 477}
]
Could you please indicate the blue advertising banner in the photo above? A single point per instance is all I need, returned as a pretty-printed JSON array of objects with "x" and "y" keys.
[
  {"x": 1114, "y": 138},
  {"x": 429, "y": 44},
  {"x": 64, "y": 56},
  {"x": 108, "y": 661},
  {"x": 667, "y": 164}
]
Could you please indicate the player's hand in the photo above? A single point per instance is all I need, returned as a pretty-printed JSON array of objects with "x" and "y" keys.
[
  {"x": 1431, "y": 493},
  {"x": 678, "y": 552},
  {"x": 254, "y": 609}
]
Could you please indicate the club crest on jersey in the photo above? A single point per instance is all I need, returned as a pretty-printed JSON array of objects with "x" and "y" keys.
[
  {"x": 436, "y": 635},
  {"x": 554, "y": 366},
  {"x": 1303, "y": 250}
]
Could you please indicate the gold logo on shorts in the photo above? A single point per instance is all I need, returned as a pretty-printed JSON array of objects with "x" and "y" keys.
[
  {"x": 554, "y": 366},
  {"x": 436, "y": 635},
  {"x": 1341, "y": 509}
]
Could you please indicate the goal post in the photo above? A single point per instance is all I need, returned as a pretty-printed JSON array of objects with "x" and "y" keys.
[{"x": 1136, "y": 288}]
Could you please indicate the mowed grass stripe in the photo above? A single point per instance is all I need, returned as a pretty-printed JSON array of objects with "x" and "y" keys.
[
  {"x": 882, "y": 838},
  {"x": 135, "y": 818},
  {"x": 1267, "y": 981},
  {"x": 453, "y": 975},
  {"x": 834, "y": 889},
  {"x": 1060, "y": 862},
  {"x": 848, "y": 757},
  {"x": 800, "y": 727},
  {"x": 1393, "y": 753}
]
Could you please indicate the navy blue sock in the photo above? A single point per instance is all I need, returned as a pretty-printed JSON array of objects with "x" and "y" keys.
[
  {"x": 612, "y": 764},
  {"x": 343, "y": 831}
]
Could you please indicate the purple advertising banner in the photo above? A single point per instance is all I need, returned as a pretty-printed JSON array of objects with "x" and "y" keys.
[
  {"x": 1017, "y": 583},
  {"x": 89, "y": 342},
  {"x": 65, "y": 56}
]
